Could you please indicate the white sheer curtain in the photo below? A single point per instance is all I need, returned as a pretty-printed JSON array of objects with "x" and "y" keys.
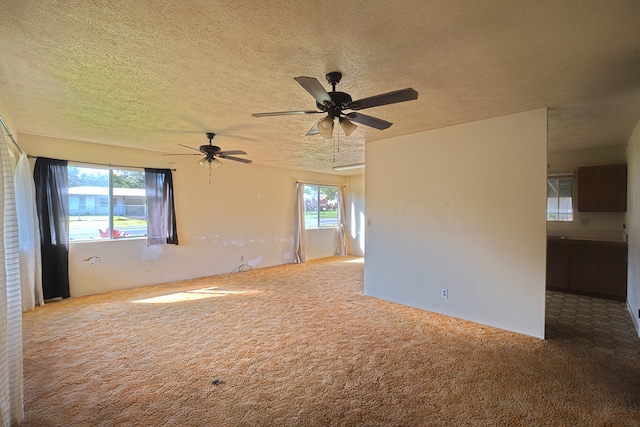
[
  {"x": 298, "y": 231},
  {"x": 29, "y": 233},
  {"x": 342, "y": 224},
  {"x": 11, "y": 391}
]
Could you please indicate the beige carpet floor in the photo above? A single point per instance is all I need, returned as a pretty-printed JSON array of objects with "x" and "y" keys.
[{"x": 300, "y": 345}]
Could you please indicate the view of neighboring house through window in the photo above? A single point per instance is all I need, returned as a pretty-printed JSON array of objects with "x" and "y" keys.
[
  {"x": 320, "y": 206},
  {"x": 106, "y": 203},
  {"x": 560, "y": 199}
]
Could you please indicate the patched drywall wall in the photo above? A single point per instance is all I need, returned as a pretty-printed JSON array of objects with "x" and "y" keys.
[
  {"x": 244, "y": 216},
  {"x": 463, "y": 209}
]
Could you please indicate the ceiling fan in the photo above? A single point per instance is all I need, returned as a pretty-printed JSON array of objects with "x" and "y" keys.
[
  {"x": 334, "y": 103},
  {"x": 210, "y": 152}
]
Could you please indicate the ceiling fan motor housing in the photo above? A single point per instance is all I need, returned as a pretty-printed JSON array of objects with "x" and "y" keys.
[
  {"x": 340, "y": 99},
  {"x": 209, "y": 149}
]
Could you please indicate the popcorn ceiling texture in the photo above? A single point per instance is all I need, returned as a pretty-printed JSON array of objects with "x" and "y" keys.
[{"x": 151, "y": 74}]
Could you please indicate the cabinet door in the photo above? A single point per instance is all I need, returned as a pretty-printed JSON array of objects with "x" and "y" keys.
[
  {"x": 557, "y": 263},
  {"x": 599, "y": 268},
  {"x": 602, "y": 188}
]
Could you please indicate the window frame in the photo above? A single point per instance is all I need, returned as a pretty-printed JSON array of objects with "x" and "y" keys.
[
  {"x": 558, "y": 178},
  {"x": 318, "y": 211},
  {"x": 110, "y": 202}
]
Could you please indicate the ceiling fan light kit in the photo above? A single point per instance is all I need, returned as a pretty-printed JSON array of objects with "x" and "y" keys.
[
  {"x": 347, "y": 126},
  {"x": 335, "y": 103},
  {"x": 213, "y": 163},
  {"x": 325, "y": 127}
]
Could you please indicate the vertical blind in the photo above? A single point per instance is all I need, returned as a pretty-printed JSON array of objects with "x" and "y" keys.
[{"x": 11, "y": 388}]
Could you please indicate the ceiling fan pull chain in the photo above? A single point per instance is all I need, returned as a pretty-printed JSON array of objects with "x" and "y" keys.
[{"x": 333, "y": 146}]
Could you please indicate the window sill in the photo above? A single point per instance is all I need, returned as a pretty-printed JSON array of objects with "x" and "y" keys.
[{"x": 323, "y": 228}]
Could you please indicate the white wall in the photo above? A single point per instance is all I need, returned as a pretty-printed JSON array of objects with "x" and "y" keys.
[
  {"x": 462, "y": 208},
  {"x": 247, "y": 211},
  {"x": 633, "y": 226},
  {"x": 356, "y": 216},
  {"x": 321, "y": 243},
  {"x": 600, "y": 224}
]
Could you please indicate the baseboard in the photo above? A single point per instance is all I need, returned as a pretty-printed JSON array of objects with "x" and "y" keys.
[{"x": 634, "y": 319}]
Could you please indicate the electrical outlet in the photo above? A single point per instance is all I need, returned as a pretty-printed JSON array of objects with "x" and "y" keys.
[
  {"x": 241, "y": 258},
  {"x": 444, "y": 293},
  {"x": 369, "y": 222},
  {"x": 584, "y": 221}
]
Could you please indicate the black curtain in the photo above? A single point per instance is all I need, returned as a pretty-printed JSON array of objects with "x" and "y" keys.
[
  {"x": 160, "y": 207},
  {"x": 52, "y": 202}
]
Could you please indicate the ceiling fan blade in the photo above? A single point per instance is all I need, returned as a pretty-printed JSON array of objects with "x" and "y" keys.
[
  {"x": 314, "y": 130},
  {"x": 402, "y": 95},
  {"x": 236, "y": 159},
  {"x": 373, "y": 122},
  {"x": 231, "y": 152},
  {"x": 191, "y": 148},
  {"x": 181, "y": 154},
  {"x": 313, "y": 86},
  {"x": 286, "y": 113}
]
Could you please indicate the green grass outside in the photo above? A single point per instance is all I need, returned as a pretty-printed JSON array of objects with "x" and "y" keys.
[
  {"x": 323, "y": 214},
  {"x": 83, "y": 222}
]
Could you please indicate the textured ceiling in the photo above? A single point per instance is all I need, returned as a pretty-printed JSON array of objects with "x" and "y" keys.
[{"x": 152, "y": 74}]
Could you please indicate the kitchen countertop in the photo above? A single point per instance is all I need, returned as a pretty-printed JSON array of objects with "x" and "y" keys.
[{"x": 593, "y": 236}]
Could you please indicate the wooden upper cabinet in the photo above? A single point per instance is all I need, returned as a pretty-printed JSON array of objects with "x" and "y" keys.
[{"x": 602, "y": 188}]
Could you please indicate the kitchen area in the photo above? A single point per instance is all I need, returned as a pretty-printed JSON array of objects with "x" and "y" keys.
[{"x": 587, "y": 248}]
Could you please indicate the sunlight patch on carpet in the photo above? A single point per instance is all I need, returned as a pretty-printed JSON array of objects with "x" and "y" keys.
[{"x": 196, "y": 294}]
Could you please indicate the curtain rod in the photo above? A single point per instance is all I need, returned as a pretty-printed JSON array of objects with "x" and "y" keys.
[
  {"x": 6, "y": 129},
  {"x": 102, "y": 164},
  {"x": 320, "y": 185}
]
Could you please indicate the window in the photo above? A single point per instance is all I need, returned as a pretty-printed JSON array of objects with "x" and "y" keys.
[
  {"x": 320, "y": 206},
  {"x": 560, "y": 199},
  {"x": 106, "y": 203}
]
